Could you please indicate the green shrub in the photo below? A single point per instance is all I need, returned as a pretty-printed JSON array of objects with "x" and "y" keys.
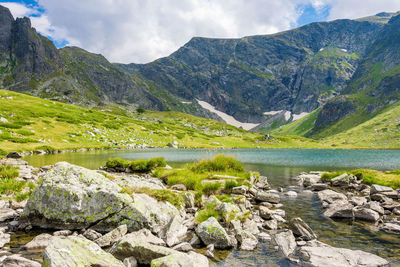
[
  {"x": 230, "y": 184},
  {"x": 156, "y": 163},
  {"x": 211, "y": 188},
  {"x": 8, "y": 172},
  {"x": 3, "y": 152},
  {"x": 159, "y": 194},
  {"x": 139, "y": 165},
  {"x": 22, "y": 196},
  {"x": 140, "y": 110},
  {"x": 117, "y": 163},
  {"x": 207, "y": 212},
  {"x": 220, "y": 163}
]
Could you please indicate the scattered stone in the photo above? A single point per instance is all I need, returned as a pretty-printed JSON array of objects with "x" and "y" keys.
[
  {"x": 267, "y": 197},
  {"x": 330, "y": 196},
  {"x": 92, "y": 235},
  {"x": 321, "y": 255},
  {"x": 340, "y": 211},
  {"x": 210, "y": 251},
  {"x": 2, "y": 119},
  {"x": 7, "y": 214},
  {"x": 192, "y": 259},
  {"x": 183, "y": 247},
  {"x": 16, "y": 260},
  {"x": 179, "y": 187},
  {"x": 301, "y": 229},
  {"x": 188, "y": 199},
  {"x": 211, "y": 232},
  {"x": 14, "y": 155},
  {"x": 39, "y": 242},
  {"x": 247, "y": 240},
  {"x": 264, "y": 237},
  {"x": 358, "y": 201},
  {"x": 4, "y": 204},
  {"x": 365, "y": 214},
  {"x": 291, "y": 194},
  {"x": 270, "y": 225},
  {"x": 240, "y": 190},
  {"x": 175, "y": 231},
  {"x": 63, "y": 233},
  {"x": 145, "y": 235},
  {"x": 376, "y": 189},
  {"x": 142, "y": 251},
  {"x": 251, "y": 226},
  {"x": 319, "y": 187},
  {"x": 77, "y": 251},
  {"x": 265, "y": 212},
  {"x": 286, "y": 242},
  {"x": 4, "y": 239},
  {"x": 373, "y": 205},
  {"x": 130, "y": 262},
  {"x": 391, "y": 228},
  {"x": 112, "y": 237}
]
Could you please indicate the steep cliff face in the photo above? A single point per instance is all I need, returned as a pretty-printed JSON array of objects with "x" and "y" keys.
[
  {"x": 297, "y": 70},
  {"x": 374, "y": 87}
]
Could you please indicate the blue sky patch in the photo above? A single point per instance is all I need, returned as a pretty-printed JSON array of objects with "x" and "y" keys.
[{"x": 309, "y": 14}]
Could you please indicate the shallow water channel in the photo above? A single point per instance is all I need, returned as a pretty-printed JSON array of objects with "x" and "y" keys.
[{"x": 279, "y": 165}]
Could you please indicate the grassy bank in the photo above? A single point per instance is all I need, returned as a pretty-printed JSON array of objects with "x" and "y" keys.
[{"x": 30, "y": 123}]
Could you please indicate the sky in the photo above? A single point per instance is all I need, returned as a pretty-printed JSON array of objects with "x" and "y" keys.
[{"x": 140, "y": 31}]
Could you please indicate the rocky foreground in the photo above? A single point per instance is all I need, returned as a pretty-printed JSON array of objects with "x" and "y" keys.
[{"x": 91, "y": 221}]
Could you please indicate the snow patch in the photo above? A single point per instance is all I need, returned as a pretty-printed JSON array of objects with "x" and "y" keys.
[
  {"x": 299, "y": 116},
  {"x": 272, "y": 112},
  {"x": 227, "y": 118},
  {"x": 344, "y": 50},
  {"x": 186, "y": 102},
  {"x": 287, "y": 115}
]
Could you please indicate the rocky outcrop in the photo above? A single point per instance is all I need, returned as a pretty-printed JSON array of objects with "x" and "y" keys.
[
  {"x": 73, "y": 197},
  {"x": 16, "y": 260},
  {"x": 77, "y": 251},
  {"x": 301, "y": 230},
  {"x": 321, "y": 255},
  {"x": 191, "y": 259},
  {"x": 286, "y": 242}
]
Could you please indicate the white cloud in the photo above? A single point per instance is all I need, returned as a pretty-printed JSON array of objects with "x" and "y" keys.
[
  {"x": 19, "y": 10},
  {"x": 141, "y": 31},
  {"x": 353, "y": 9}
]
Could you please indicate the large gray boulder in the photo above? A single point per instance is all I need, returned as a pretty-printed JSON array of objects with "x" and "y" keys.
[
  {"x": 192, "y": 259},
  {"x": 4, "y": 238},
  {"x": 39, "y": 242},
  {"x": 322, "y": 255},
  {"x": 391, "y": 228},
  {"x": 340, "y": 211},
  {"x": 365, "y": 214},
  {"x": 75, "y": 251},
  {"x": 286, "y": 242},
  {"x": 142, "y": 251},
  {"x": 247, "y": 240},
  {"x": 175, "y": 231},
  {"x": 301, "y": 229},
  {"x": 72, "y": 197},
  {"x": 377, "y": 189},
  {"x": 211, "y": 232}
]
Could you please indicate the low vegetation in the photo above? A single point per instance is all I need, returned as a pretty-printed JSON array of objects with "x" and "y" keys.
[
  {"x": 386, "y": 178},
  {"x": 139, "y": 166},
  {"x": 11, "y": 188},
  {"x": 159, "y": 194}
]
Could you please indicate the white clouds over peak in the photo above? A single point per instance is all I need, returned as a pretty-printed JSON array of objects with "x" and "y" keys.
[{"x": 143, "y": 30}]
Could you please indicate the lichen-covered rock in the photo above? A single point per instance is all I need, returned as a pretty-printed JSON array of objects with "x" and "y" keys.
[
  {"x": 91, "y": 234},
  {"x": 4, "y": 238},
  {"x": 191, "y": 259},
  {"x": 7, "y": 214},
  {"x": 321, "y": 255},
  {"x": 146, "y": 236},
  {"x": 72, "y": 197},
  {"x": 112, "y": 237},
  {"x": 141, "y": 250},
  {"x": 340, "y": 211},
  {"x": 211, "y": 232},
  {"x": 77, "y": 251}
]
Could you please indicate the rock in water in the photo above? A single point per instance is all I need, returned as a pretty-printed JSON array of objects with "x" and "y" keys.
[
  {"x": 247, "y": 240},
  {"x": 322, "y": 255},
  {"x": 286, "y": 242},
  {"x": 39, "y": 242},
  {"x": 211, "y": 232},
  {"x": 77, "y": 251},
  {"x": 330, "y": 196},
  {"x": 72, "y": 197},
  {"x": 267, "y": 197},
  {"x": 191, "y": 259},
  {"x": 301, "y": 229}
]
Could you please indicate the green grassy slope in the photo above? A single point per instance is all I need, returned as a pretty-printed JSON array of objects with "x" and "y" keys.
[{"x": 34, "y": 123}]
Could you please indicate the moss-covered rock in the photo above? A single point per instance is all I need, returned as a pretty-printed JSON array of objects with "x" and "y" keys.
[
  {"x": 72, "y": 197},
  {"x": 77, "y": 251}
]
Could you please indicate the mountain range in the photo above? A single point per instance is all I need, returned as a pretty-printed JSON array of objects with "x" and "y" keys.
[{"x": 318, "y": 80}]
